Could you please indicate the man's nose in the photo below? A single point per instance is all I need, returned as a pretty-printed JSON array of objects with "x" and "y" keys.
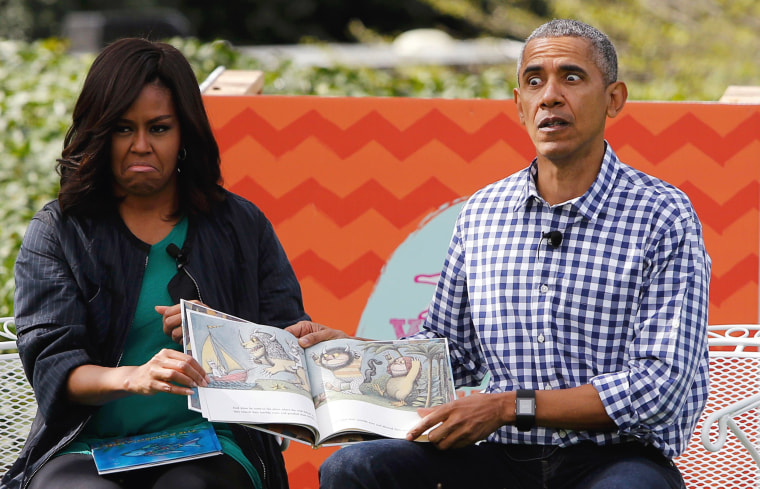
[{"x": 552, "y": 93}]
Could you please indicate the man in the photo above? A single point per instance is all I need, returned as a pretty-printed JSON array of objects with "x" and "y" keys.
[{"x": 581, "y": 285}]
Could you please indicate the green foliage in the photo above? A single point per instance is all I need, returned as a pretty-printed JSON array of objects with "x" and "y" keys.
[
  {"x": 414, "y": 81},
  {"x": 677, "y": 49},
  {"x": 39, "y": 87}
]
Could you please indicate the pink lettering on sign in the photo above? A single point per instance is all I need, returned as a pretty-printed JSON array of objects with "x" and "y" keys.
[
  {"x": 412, "y": 325},
  {"x": 427, "y": 279}
]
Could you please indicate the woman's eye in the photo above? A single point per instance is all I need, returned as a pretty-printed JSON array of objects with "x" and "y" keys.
[
  {"x": 160, "y": 128},
  {"x": 121, "y": 129}
]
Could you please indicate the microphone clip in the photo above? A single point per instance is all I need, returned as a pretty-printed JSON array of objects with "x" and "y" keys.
[
  {"x": 554, "y": 238},
  {"x": 180, "y": 255}
]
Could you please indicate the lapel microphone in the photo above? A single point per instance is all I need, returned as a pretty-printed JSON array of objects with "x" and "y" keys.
[
  {"x": 554, "y": 238},
  {"x": 180, "y": 255}
]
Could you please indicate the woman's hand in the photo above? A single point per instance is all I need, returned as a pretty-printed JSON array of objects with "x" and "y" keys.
[
  {"x": 172, "y": 321},
  {"x": 168, "y": 371}
]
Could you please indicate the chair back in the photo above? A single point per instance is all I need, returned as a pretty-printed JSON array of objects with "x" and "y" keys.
[{"x": 17, "y": 403}]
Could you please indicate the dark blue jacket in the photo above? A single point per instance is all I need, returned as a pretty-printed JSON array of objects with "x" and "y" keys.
[{"x": 77, "y": 284}]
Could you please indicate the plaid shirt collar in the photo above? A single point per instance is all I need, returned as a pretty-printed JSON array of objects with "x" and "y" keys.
[{"x": 590, "y": 203}]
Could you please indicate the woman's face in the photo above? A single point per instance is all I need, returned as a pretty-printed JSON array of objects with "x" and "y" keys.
[{"x": 144, "y": 146}]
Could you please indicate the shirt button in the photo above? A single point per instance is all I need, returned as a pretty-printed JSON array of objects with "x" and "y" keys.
[
  {"x": 541, "y": 338},
  {"x": 562, "y": 433},
  {"x": 544, "y": 288}
]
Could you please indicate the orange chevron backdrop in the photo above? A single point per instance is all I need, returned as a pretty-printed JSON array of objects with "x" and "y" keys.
[{"x": 346, "y": 180}]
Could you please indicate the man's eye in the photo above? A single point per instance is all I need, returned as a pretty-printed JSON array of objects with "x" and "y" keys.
[
  {"x": 573, "y": 77},
  {"x": 534, "y": 81}
]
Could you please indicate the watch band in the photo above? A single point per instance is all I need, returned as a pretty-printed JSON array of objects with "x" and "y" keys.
[{"x": 525, "y": 409}]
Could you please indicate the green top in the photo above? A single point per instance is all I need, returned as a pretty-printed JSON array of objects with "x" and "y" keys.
[{"x": 137, "y": 414}]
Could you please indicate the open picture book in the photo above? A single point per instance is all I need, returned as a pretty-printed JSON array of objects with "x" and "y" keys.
[{"x": 336, "y": 392}]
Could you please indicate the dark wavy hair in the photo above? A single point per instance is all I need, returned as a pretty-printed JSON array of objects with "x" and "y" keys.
[{"x": 116, "y": 78}]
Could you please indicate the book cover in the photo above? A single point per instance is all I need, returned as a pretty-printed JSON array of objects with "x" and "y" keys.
[{"x": 159, "y": 448}]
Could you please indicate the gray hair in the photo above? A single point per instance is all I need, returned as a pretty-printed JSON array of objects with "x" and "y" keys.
[{"x": 603, "y": 54}]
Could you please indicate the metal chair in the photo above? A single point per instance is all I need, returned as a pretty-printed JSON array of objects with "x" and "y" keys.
[
  {"x": 714, "y": 460},
  {"x": 17, "y": 403}
]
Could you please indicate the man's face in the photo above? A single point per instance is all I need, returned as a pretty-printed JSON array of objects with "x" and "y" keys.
[{"x": 562, "y": 99}]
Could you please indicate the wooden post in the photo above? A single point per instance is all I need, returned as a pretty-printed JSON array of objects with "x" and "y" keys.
[{"x": 236, "y": 82}]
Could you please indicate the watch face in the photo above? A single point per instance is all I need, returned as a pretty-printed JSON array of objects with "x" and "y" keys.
[{"x": 525, "y": 406}]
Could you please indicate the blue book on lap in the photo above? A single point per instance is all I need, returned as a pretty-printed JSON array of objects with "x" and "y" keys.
[{"x": 163, "y": 447}]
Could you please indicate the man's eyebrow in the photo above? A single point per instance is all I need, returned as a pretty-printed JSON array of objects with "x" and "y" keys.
[
  {"x": 564, "y": 68},
  {"x": 573, "y": 68},
  {"x": 532, "y": 69}
]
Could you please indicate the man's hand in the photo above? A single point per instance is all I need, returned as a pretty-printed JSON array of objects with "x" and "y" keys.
[
  {"x": 310, "y": 333},
  {"x": 465, "y": 421}
]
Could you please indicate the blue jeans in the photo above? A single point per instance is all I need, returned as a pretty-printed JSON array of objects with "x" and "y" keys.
[{"x": 401, "y": 464}]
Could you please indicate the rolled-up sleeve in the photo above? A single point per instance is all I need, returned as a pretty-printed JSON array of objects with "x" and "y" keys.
[{"x": 669, "y": 348}]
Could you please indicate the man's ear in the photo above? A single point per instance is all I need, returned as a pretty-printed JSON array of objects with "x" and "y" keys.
[
  {"x": 618, "y": 94},
  {"x": 518, "y": 103}
]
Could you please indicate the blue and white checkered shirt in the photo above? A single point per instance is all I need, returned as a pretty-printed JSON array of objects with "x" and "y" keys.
[{"x": 621, "y": 303}]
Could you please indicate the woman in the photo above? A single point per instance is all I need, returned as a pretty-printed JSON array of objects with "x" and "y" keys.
[{"x": 141, "y": 221}]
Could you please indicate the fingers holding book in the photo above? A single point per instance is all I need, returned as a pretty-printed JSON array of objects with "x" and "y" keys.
[
  {"x": 310, "y": 333},
  {"x": 168, "y": 371}
]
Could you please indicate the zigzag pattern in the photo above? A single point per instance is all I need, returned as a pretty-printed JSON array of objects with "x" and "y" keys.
[
  {"x": 687, "y": 130},
  {"x": 340, "y": 282},
  {"x": 436, "y": 127},
  {"x": 717, "y": 216},
  {"x": 738, "y": 277},
  {"x": 373, "y": 127},
  {"x": 400, "y": 212},
  {"x": 369, "y": 196}
]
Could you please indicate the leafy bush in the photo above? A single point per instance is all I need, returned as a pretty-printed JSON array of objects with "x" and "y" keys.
[{"x": 40, "y": 82}]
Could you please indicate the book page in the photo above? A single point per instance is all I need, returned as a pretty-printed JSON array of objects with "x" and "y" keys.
[
  {"x": 257, "y": 372},
  {"x": 377, "y": 386},
  {"x": 193, "y": 401}
]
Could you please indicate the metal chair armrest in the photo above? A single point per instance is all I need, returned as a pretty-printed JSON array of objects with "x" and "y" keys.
[{"x": 724, "y": 419}]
